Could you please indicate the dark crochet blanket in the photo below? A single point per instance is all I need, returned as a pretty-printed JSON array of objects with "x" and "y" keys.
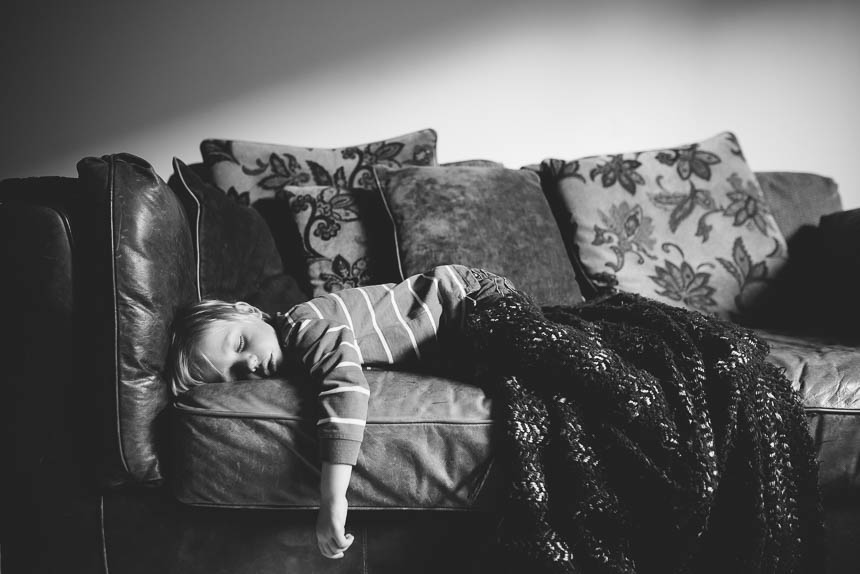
[{"x": 644, "y": 438}]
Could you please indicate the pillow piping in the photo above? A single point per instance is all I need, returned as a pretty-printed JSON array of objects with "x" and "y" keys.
[{"x": 195, "y": 225}]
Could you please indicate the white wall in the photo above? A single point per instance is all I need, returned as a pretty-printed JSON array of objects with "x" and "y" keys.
[{"x": 511, "y": 81}]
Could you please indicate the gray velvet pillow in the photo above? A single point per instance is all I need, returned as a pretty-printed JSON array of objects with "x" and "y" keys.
[
  {"x": 473, "y": 163},
  {"x": 797, "y": 199},
  {"x": 804, "y": 295},
  {"x": 236, "y": 253},
  {"x": 492, "y": 218}
]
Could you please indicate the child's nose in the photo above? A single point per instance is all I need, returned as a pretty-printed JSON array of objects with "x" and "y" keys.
[{"x": 252, "y": 362}]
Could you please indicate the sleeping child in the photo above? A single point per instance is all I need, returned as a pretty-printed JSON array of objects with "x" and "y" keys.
[{"x": 334, "y": 336}]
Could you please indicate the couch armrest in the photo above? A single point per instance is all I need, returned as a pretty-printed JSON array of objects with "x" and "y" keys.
[
  {"x": 837, "y": 269},
  {"x": 36, "y": 258},
  {"x": 43, "y": 295},
  {"x": 119, "y": 238},
  {"x": 840, "y": 232},
  {"x": 50, "y": 423},
  {"x": 816, "y": 292}
]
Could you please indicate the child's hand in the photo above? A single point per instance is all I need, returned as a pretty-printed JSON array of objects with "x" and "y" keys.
[{"x": 331, "y": 521}]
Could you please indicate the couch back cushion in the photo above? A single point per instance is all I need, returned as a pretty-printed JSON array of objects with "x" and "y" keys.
[
  {"x": 147, "y": 271},
  {"x": 263, "y": 170},
  {"x": 687, "y": 225},
  {"x": 798, "y": 298},
  {"x": 236, "y": 254},
  {"x": 798, "y": 199},
  {"x": 488, "y": 217},
  {"x": 323, "y": 197}
]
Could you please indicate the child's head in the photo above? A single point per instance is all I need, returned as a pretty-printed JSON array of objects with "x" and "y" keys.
[{"x": 216, "y": 341}]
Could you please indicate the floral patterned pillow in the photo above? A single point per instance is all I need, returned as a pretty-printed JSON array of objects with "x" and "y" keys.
[
  {"x": 687, "y": 225},
  {"x": 332, "y": 197},
  {"x": 346, "y": 237}
]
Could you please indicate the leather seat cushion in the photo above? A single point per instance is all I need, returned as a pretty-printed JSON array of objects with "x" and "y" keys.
[
  {"x": 429, "y": 440},
  {"x": 427, "y": 445},
  {"x": 826, "y": 372}
]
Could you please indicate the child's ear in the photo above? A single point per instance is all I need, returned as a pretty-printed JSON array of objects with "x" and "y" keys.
[{"x": 243, "y": 307}]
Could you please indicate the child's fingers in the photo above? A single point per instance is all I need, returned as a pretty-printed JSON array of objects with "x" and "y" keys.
[
  {"x": 329, "y": 551},
  {"x": 343, "y": 541},
  {"x": 325, "y": 548},
  {"x": 335, "y": 547}
]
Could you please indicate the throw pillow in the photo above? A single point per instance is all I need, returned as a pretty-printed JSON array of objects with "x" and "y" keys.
[
  {"x": 493, "y": 218},
  {"x": 800, "y": 203},
  {"x": 687, "y": 225},
  {"x": 331, "y": 194},
  {"x": 473, "y": 163},
  {"x": 236, "y": 254},
  {"x": 798, "y": 199},
  {"x": 346, "y": 237},
  {"x": 268, "y": 170}
]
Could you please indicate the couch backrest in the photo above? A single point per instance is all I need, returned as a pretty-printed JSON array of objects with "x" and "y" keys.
[
  {"x": 798, "y": 199},
  {"x": 795, "y": 198},
  {"x": 145, "y": 270},
  {"x": 155, "y": 269}
]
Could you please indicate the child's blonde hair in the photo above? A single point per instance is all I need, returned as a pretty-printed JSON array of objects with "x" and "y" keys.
[{"x": 184, "y": 368}]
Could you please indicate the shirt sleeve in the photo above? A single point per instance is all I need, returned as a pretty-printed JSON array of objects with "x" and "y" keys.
[{"x": 329, "y": 352}]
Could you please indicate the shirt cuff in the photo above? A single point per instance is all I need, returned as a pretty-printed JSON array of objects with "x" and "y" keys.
[{"x": 339, "y": 451}]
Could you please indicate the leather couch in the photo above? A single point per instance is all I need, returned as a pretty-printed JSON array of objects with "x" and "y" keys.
[{"x": 104, "y": 473}]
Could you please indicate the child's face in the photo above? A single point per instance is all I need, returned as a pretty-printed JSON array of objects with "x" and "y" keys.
[{"x": 245, "y": 348}]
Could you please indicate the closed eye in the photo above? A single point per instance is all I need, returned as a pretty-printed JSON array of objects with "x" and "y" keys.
[{"x": 241, "y": 344}]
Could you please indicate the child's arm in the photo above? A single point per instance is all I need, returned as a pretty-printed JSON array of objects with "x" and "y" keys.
[
  {"x": 332, "y": 539},
  {"x": 329, "y": 351}
]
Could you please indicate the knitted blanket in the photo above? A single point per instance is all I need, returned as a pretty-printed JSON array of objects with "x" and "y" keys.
[{"x": 644, "y": 438}]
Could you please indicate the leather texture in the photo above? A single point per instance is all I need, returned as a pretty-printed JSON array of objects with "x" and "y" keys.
[
  {"x": 824, "y": 370},
  {"x": 48, "y": 509},
  {"x": 150, "y": 274},
  {"x": 839, "y": 259},
  {"x": 146, "y": 533},
  {"x": 57, "y": 249},
  {"x": 826, "y": 373},
  {"x": 427, "y": 445},
  {"x": 428, "y": 442}
]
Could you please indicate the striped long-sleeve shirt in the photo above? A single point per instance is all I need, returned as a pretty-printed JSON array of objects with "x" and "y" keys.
[{"x": 334, "y": 335}]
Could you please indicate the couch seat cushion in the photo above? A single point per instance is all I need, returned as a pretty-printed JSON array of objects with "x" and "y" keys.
[
  {"x": 253, "y": 444},
  {"x": 429, "y": 440},
  {"x": 826, "y": 372}
]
